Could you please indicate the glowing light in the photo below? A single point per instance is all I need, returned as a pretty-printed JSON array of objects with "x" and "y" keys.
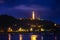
[
  {"x": 42, "y": 29},
  {"x": 22, "y": 30},
  {"x": 9, "y": 37},
  {"x": 9, "y": 29},
  {"x": 20, "y": 37},
  {"x": 33, "y": 15},
  {"x": 33, "y": 25},
  {"x": 55, "y": 24},
  {"x": 31, "y": 29},
  {"x": 33, "y": 37},
  {"x": 39, "y": 26}
]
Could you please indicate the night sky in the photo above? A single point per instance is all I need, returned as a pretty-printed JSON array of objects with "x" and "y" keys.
[{"x": 45, "y": 9}]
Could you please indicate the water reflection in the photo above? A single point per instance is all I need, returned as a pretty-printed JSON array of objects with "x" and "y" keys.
[
  {"x": 9, "y": 36},
  {"x": 28, "y": 36},
  {"x": 20, "y": 37},
  {"x": 55, "y": 38},
  {"x": 41, "y": 37},
  {"x": 34, "y": 37}
]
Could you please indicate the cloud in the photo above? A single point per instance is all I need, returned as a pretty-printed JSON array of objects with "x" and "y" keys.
[
  {"x": 31, "y": 7},
  {"x": 2, "y": 1},
  {"x": 27, "y": 9}
]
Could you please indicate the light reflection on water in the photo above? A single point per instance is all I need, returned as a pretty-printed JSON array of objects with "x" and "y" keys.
[
  {"x": 28, "y": 36},
  {"x": 20, "y": 37},
  {"x": 34, "y": 37},
  {"x": 9, "y": 36}
]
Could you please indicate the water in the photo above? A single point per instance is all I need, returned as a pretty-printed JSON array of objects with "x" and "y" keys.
[{"x": 29, "y": 36}]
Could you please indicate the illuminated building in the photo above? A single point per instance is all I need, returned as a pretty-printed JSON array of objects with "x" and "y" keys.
[
  {"x": 31, "y": 29},
  {"x": 31, "y": 24},
  {"x": 35, "y": 24},
  {"x": 9, "y": 29},
  {"x": 42, "y": 29}
]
